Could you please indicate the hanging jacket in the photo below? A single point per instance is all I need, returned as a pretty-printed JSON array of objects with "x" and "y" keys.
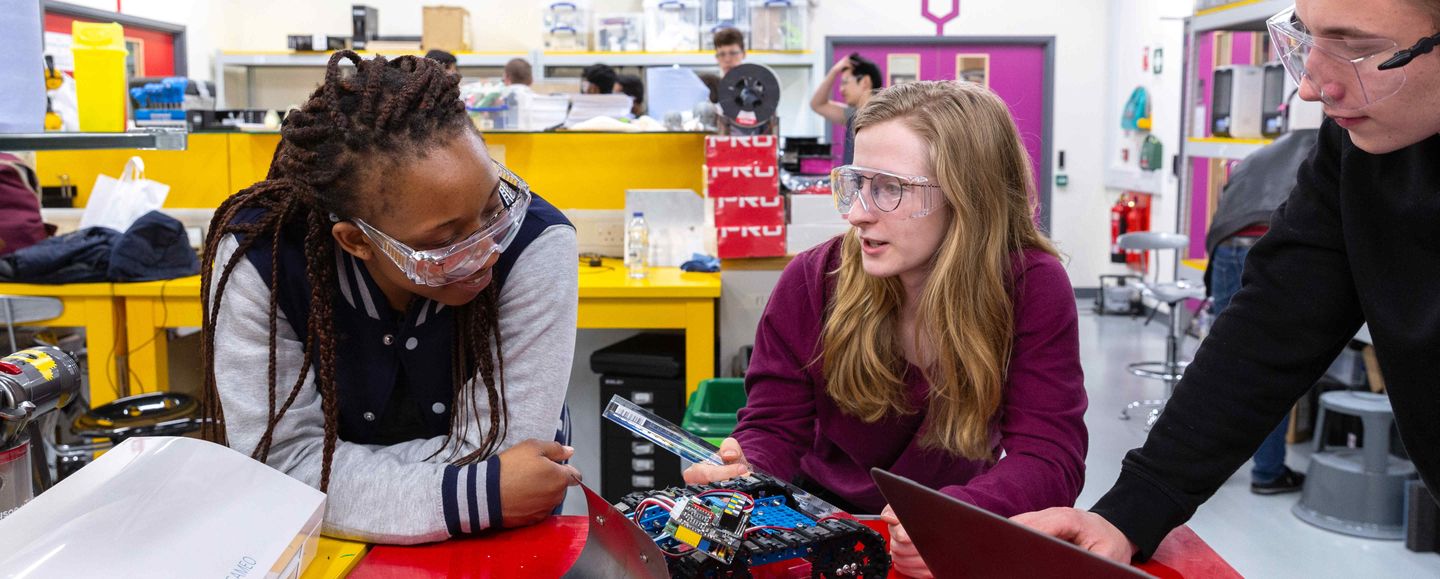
[{"x": 20, "y": 223}]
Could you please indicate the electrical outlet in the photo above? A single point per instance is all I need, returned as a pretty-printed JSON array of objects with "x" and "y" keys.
[{"x": 599, "y": 231}]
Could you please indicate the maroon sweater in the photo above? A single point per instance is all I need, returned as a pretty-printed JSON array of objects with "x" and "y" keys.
[{"x": 791, "y": 427}]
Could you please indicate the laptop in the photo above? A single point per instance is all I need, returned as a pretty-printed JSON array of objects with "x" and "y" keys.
[{"x": 957, "y": 539}]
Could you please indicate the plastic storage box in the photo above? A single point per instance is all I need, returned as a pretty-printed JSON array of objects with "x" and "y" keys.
[
  {"x": 711, "y": 412},
  {"x": 672, "y": 25},
  {"x": 566, "y": 25},
  {"x": 777, "y": 24},
  {"x": 717, "y": 14},
  {"x": 620, "y": 32}
]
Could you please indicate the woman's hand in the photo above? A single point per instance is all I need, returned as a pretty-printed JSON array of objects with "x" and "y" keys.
[
  {"x": 533, "y": 482},
  {"x": 904, "y": 559},
  {"x": 735, "y": 466}
]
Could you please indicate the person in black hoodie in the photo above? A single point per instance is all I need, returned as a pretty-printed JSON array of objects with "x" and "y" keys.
[
  {"x": 1259, "y": 185},
  {"x": 1357, "y": 242}
]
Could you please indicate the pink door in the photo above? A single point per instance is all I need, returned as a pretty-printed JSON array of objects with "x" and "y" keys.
[{"x": 1016, "y": 69}]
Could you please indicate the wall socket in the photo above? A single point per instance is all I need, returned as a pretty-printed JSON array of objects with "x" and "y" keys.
[{"x": 599, "y": 231}]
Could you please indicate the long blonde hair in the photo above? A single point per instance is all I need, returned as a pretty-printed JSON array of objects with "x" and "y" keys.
[{"x": 964, "y": 309}]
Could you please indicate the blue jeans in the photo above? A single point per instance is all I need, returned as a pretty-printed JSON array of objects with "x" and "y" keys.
[{"x": 1225, "y": 268}]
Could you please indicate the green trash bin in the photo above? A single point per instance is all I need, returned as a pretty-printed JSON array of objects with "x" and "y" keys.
[{"x": 711, "y": 411}]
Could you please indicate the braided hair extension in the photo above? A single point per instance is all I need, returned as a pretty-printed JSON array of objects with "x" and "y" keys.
[{"x": 384, "y": 108}]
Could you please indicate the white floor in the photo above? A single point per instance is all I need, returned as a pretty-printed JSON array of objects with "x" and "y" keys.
[{"x": 1256, "y": 534}]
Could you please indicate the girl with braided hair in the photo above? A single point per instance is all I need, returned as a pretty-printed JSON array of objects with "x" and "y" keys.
[{"x": 390, "y": 314}]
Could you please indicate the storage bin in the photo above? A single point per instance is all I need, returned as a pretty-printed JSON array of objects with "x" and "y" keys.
[
  {"x": 672, "y": 25},
  {"x": 711, "y": 412},
  {"x": 620, "y": 32},
  {"x": 717, "y": 14},
  {"x": 566, "y": 26},
  {"x": 777, "y": 24},
  {"x": 100, "y": 86}
]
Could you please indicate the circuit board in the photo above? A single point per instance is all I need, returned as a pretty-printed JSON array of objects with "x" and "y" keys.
[
  {"x": 726, "y": 529},
  {"x": 713, "y": 525}
]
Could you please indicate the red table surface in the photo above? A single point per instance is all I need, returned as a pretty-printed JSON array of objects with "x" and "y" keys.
[{"x": 549, "y": 548}]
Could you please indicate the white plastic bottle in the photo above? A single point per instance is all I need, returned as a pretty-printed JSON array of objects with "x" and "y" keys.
[{"x": 637, "y": 246}]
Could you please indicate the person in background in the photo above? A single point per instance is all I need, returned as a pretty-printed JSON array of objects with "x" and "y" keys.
[
  {"x": 633, "y": 87},
  {"x": 518, "y": 72},
  {"x": 859, "y": 78},
  {"x": 597, "y": 79},
  {"x": 1259, "y": 185},
  {"x": 445, "y": 59},
  {"x": 937, "y": 339},
  {"x": 712, "y": 82},
  {"x": 1355, "y": 243},
  {"x": 729, "y": 49}
]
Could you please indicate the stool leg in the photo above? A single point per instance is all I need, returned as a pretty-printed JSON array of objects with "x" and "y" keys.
[
  {"x": 1377, "y": 444},
  {"x": 1172, "y": 348},
  {"x": 1320, "y": 429}
]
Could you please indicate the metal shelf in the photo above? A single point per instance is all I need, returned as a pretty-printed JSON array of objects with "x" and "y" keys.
[
  {"x": 1217, "y": 148},
  {"x": 311, "y": 59},
  {"x": 159, "y": 140},
  {"x": 1150, "y": 182},
  {"x": 774, "y": 59},
  {"x": 1243, "y": 15}
]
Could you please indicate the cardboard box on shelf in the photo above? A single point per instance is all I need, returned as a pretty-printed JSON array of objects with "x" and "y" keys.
[
  {"x": 736, "y": 241},
  {"x": 799, "y": 238},
  {"x": 742, "y": 166},
  {"x": 815, "y": 209},
  {"x": 446, "y": 28},
  {"x": 761, "y": 210}
]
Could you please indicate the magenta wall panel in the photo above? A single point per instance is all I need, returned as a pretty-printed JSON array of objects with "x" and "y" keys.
[
  {"x": 1017, "y": 75},
  {"x": 1199, "y": 205},
  {"x": 1205, "y": 69}
]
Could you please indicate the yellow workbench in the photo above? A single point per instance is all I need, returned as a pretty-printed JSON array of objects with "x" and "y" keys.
[
  {"x": 95, "y": 307},
  {"x": 609, "y": 299}
]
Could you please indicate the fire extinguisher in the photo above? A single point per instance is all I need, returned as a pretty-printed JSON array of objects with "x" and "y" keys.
[
  {"x": 1119, "y": 225},
  {"x": 1135, "y": 220}
]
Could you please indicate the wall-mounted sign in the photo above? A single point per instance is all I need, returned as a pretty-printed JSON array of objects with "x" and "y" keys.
[{"x": 940, "y": 20}]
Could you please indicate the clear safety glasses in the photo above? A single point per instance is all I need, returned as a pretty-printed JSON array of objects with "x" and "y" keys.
[
  {"x": 885, "y": 192},
  {"x": 453, "y": 263},
  {"x": 1349, "y": 73}
]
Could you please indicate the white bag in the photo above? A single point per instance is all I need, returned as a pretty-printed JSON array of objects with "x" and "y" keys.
[{"x": 118, "y": 203}]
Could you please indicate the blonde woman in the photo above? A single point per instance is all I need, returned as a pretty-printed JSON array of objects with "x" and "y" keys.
[{"x": 936, "y": 339}]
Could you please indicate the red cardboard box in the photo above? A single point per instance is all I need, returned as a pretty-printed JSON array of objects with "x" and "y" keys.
[
  {"x": 742, "y": 150},
  {"x": 742, "y": 166},
  {"x": 736, "y": 211},
  {"x": 752, "y": 226},
  {"x": 751, "y": 240}
]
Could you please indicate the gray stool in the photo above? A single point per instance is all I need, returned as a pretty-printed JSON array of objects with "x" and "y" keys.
[
  {"x": 1358, "y": 492},
  {"x": 16, "y": 310},
  {"x": 1172, "y": 293}
]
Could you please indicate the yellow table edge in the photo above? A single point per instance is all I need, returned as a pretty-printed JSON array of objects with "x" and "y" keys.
[{"x": 335, "y": 558}]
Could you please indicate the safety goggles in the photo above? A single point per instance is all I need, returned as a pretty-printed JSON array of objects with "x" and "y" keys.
[
  {"x": 1349, "y": 73},
  {"x": 453, "y": 263},
  {"x": 881, "y": 190}
]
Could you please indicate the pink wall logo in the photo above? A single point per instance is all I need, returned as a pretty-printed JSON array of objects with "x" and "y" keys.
[{"x": 940, "y": 20}]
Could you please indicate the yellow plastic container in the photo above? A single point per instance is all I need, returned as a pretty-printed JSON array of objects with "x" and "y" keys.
[{"x": 100, "y": 85}]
